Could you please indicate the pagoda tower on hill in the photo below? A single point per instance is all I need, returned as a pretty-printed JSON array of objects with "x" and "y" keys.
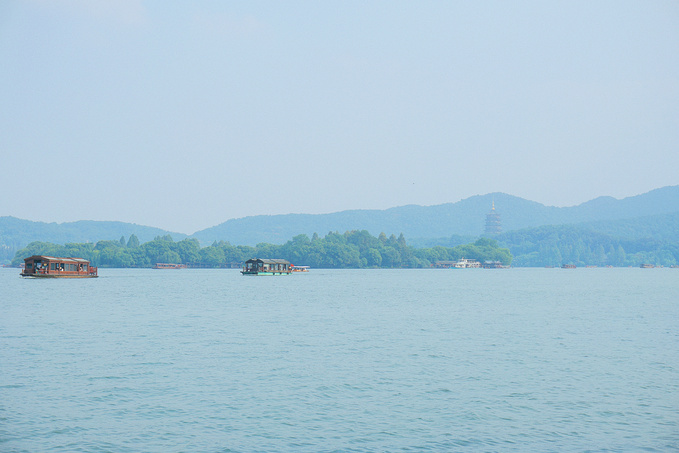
[{"x": 493, "y": 225}]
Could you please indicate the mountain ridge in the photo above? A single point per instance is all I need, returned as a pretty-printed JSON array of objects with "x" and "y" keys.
[{"x": 463, "y": 218}]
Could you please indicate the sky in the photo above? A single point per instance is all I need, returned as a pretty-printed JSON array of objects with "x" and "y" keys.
[{"x": 182, "y": 115}]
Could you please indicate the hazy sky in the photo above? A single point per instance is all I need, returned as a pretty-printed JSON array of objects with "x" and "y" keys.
[{"x": 182, "y": 115}]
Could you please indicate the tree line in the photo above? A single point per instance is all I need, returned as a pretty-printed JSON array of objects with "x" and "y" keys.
[
  {"x": 580, "y": 245},
  {"x": 535, "y": 247},
  {"x": 353, "y": 249}
]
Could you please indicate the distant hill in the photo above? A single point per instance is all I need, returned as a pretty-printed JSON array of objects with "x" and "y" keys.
[
  {"x": 17, "y": 233},
  {"x": 456, "y": 222},
  {"x": 627, "y": 242},
  {"x": 662, "y": 227},
  {"x": 464, "y": 218}
]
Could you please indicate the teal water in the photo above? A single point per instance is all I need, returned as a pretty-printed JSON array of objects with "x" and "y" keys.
[{"x": 341, "y": 360}]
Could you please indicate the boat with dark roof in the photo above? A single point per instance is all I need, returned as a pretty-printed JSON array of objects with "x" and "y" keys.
[{"x": 258, "y": 266}]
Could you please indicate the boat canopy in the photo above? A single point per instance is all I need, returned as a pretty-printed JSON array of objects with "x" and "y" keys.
[
  {"x": 52, "y": 258},
  {"x": 267, "y": 261}
]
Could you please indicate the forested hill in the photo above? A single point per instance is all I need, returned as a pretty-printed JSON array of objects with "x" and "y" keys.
[
  {"x": 465, "y": 218},
  {"x": 17, "y": 233},
  {"x": 627, "y": 242},
  {"x": 630, "y": 242}
]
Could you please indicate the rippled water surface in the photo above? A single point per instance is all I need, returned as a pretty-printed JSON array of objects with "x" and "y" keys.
[{"x": 341, "y": 360}]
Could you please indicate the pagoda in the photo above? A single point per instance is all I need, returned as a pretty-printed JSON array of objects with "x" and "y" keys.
[{"x": 493, "y": 225}]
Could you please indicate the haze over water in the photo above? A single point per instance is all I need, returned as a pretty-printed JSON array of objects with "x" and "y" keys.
[
  {"x": 184, "y": 115},
  {"x": 341, "y": 360}
]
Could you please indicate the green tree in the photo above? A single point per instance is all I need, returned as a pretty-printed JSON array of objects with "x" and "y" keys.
[
  {"x": 170, "y": 256},
  {"x": 390, "y": 257},
  {"x": 133, "y": 242},
  {"x": 212, "y": 256},
  {"x": 599, "y": 255},
  {"x": 188, "y": 250},
  {"x": 620, "y": 256},
  {"x": 373, "y": 257}
]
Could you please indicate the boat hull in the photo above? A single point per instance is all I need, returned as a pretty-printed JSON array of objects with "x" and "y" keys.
[
  {"x": 264, "y": 273},
  {"x": 58, "y": 276}
]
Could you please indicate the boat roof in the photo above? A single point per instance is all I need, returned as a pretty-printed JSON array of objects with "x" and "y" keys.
[
  {"x": 54, "y": 258},
  {"x": 268, "y": 261}
]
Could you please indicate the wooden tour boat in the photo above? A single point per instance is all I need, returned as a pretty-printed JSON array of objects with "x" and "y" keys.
[
  {"x": 52, "y": 267},
  {"x": 257, "y": 266}
]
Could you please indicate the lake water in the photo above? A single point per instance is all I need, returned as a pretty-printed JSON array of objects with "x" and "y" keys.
[{"x": 341, "y": 360}]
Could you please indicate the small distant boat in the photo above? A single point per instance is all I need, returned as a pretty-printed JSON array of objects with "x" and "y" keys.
[
  {"x": 42, "y": 266},
  {"x": 459, "y": 264},
  {"x": 169, "y": 266},
  {"x": 258, "y": 266},
  {"x": 299, "y": 268},
  {"x": 646, "y": 266},
  {"x": 494, "y": 265},
  {"x": 568, "y": 266},
  {"x": 466, "y": 264}
]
